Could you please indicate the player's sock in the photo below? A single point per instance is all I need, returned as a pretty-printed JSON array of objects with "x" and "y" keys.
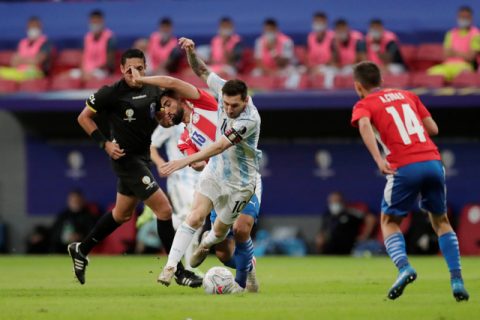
[
  {"x": 182, "y": 239},
  {"x": 243, "y": 261},
  {"x": 211, "y": 239},
  {"x": 231, "y": 263},
  {"x": 449, "y": 246},
  {"x": 166, "y": 232},
  {"x": 104, "y": 227},
  {"x": 395, "y": 245}
]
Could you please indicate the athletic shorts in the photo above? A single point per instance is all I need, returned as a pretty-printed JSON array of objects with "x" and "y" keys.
[
  {"x": 228, "y": 202},
  {"x": 425, "y": 179},
  {"x": 134, "y": 176}
]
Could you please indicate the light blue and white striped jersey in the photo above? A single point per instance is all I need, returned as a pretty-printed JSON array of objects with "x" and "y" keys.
[
  {"x": 169, "y": 137},
  {"x": 239, "y": 165}
]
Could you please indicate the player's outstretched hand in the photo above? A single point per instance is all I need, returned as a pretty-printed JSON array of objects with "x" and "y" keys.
[
  {"x": 172, "y": 166},
  {"x": 385, "y": 168},
  {"x": 186, "y": 44},
  {"x": 113, "y": 150}
]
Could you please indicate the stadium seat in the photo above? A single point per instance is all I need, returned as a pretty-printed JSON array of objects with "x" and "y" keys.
[
  {"x": 467, "y": 79},
  {"x": 6, "y": 57},
  {"x": 261, "y": 82},
  {"x": 468, "y": 230},
  {"x": 247, "y": 63},
  {"x": 409, "y": 53},
  {"x": 98, "y": 83},
  {"x": 303, "y": 83},
  {"x": 343, "y": 82},
  {"x": 428, "y": 54},
  {"x": 317, "y": 81},
  {"x": 67, "y": 59},
  {"x": 193, "y": 79},
  {"x": 398, "y": 81},
  {"x": 421, "y": 79},
  {"x": 64, "y": 82},
  {"x": 121, "y": 241},
  {"x": 7, "y": 86},
  {"x": 38, "y": 85},
  {"x": 301, "y": 54}
]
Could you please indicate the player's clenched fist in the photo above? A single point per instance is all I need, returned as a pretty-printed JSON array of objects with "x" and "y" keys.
[{"x": 186, "y": 44}]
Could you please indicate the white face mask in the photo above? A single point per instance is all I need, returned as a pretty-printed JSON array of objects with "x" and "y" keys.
[
  {"x": 375, "y": 34},
  {"x": 270, "y": 36},
  {"x": 164, "y": 35},
  {"x": 463, "y": 23},
  {"x": 319, "y": 27},
  {"x": 95, "y": 27},
  {"x": 225, "y": 32},
  {"x": 335, "y": 208},
  {"x": 33, "y": 33},
  {"x": 342, "y": 36}
]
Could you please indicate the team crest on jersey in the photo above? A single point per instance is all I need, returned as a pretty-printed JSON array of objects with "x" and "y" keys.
[
  {"x": 148, "y": 182},
  {"x": 195, "y": 118},
  {"x": 129, "y": 113}
]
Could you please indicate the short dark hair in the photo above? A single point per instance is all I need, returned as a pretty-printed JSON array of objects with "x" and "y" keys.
[
  {"x": 235, "y": 87},
  {"x": 34, "y": 19},
  {"x": 320, "y": 14},
  {"x": 376, "y": 21},
  {"x": 270, "y": 22},
  {"x": 466, "y": 8},
  {"x": 132, "y": 53},
  {"x": 341, "y": 22},
  {"x": 368, "y": 74},
  {"x": 169, "y": 93},
  {"x": 226, "y": 20},
  {"x": 165, "y": 21},
  {"x": 97, "y": 13}
]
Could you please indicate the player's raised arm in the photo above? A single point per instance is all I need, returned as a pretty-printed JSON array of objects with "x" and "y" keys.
[
  {"x": 368, "y": 137},
  {"x": 197, "y": 64}
]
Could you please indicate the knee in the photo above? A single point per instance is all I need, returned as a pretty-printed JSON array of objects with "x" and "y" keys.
[
  {"x": 194, "y": 220},
  {"x": 164, "y": 212},
  {"x": 222, "y": 255},
  {"x": 241, "y": 232},
  {"x": 121, "y": 217}
]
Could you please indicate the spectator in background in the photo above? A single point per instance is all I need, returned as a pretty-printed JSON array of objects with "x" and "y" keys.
[
  {"x": 162, "y": 49},
  {"x": 347, "y": 48},
  {"x": 33, "y": 57},
  {"x": 460, "y": 47},
  {"x": 383, "y": 48},
  {"x": 225, "y": 49},
  {"x": 142, "y": 44},
  {"x": 319, "y": 44},
  {"x": 73, "y": 223},
  {"x": 98, "y": 60},
  {"x": 274, "y": 54},
  {"x": 341, "y": 226}
]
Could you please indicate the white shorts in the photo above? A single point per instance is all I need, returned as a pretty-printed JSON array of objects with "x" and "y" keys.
[
  {"x": 227, "y": 201},
  {"x": 180, "y": 191}
]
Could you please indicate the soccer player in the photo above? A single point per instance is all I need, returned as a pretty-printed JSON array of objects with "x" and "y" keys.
[
  {"x": 192, "y": 106},
  {"x": 228, "y": 181},
  {"x": 403, "y": 127},
  {"x": 133, "y": 112}
]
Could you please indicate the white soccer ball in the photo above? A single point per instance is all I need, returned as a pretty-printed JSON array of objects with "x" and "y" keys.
[{"x": 218, "y": 280}]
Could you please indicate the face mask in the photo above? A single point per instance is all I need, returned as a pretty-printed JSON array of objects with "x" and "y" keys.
[
  {"x": 319, "y": 27},
  {"x": 164, "y": 35},
  {"x": 225, "y": 32},
  {"x": 375, "y": 34},
  {"x": 95, "y": 27},
  {"x": 33, "y": 33},
  {"x": 335, "y": 208},
  {"x": 270, "y": 36},
  {"x": 463, "y": 23},
  {"x": 342, "y": 36}
]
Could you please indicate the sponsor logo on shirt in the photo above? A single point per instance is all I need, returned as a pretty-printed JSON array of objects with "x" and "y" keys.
[
  {"x": 139, "y": 97},
  {"x": 129, "y": 113}
]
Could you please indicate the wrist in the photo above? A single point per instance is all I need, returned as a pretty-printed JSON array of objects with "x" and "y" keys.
[{"x": 99, "y": 138}]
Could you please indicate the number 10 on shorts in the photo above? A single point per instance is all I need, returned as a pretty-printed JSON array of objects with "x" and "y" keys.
[{"x": 239, "y": 205}]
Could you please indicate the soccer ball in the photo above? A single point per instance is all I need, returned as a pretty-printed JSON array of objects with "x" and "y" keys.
[{"x": 218, "y": 280}]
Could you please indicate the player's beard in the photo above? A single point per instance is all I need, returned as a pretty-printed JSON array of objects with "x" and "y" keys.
[{"x": 178, "y": 117}]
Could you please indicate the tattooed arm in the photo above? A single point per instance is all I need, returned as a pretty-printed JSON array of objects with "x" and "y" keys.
[{"x": 197, "y": 65}]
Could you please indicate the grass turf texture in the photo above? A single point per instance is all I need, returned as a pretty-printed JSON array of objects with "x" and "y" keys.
[{"x": 291, "y": 288}]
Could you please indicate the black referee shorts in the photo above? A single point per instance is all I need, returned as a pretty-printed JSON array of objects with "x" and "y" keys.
[{"x": 134, "y": 176}]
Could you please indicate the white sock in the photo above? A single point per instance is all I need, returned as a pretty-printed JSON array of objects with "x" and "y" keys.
[
  {"x": 211, "y": 239},
  {"x": 191, "y": 248},
  {"x": 182, "y": 239}
]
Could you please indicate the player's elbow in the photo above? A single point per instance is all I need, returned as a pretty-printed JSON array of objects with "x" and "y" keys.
[{"x": 432, "y": 131}]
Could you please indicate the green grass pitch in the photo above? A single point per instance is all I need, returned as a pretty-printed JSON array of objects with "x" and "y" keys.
[{"x": 125, "y": 287}]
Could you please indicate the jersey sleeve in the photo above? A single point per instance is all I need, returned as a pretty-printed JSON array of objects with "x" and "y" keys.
[
  {"x": 215, "y": 83},
  {"x": 421, "y": 109},
  {"x": 360, "y": 111},
  {"x": 161, "y": 135},
  {"x": 241, "y": 129},
  {"x": 98, "y": 102},
  {"x": 205, "y": 101},
  {"x": 186, "y": 145}
]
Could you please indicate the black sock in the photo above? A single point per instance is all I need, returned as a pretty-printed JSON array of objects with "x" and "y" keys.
[
  {"x": 167, "y": 233},
  {"x": 104, "y": 227}
]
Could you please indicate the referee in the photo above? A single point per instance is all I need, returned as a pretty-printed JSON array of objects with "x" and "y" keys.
[{"x": 132, "y": 111}]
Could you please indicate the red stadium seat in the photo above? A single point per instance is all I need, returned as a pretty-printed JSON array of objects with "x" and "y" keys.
[
  {"x": 467, "y": 79},
  {"x": 343, "y": 82},
  {"x": 247, "y": 63},
  {"x": 428, "y": 54},
  {"x": 301, "y": 54},
  {"x": 303, "y": 83},
  {"x": 38, "y": 85},
  {"x": 7, "y": 86},
  {"x": 468, "y": 230},
  {"x": 67, "y": 59},
  {"x": 122, "y": 240},
  {"x": 317, "y": 81},
  {"x": 261, "y": 82},
  {"x": 98, "y": 83},
  {"x": 398, "y": 81},
  {"x": 421, "y": 79},
  {"x": 409, "y": 53},
  {"x": 193, "y": 80},
  {"x": 64, "y": 82},
  {"x": 6, "y": 57}
]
